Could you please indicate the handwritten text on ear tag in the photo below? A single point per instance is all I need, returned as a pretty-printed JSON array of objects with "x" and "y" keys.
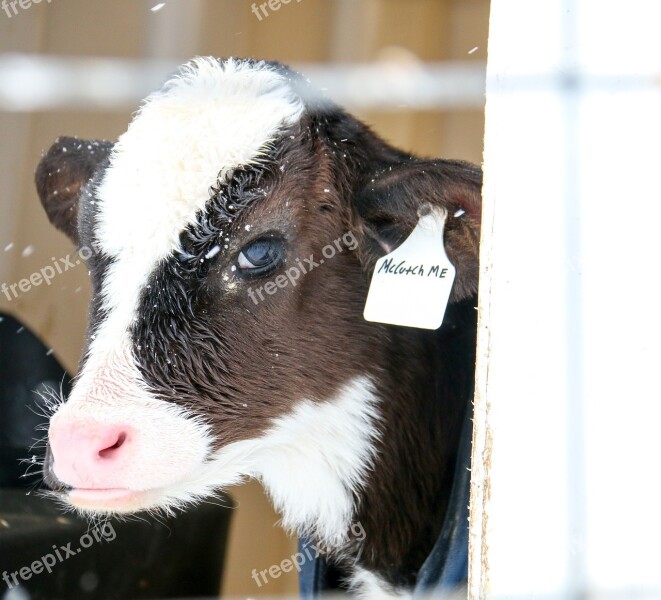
[{"x": 411, "y": 285}]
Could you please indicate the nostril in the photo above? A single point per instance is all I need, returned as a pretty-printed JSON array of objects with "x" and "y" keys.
[{"x": 110, "y": 450}]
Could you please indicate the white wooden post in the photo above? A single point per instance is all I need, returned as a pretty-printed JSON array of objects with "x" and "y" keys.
[{"x": 566, "y": 494}]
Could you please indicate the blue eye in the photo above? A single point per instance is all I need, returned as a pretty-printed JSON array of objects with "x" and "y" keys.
[{"x": 261, "y": 255}]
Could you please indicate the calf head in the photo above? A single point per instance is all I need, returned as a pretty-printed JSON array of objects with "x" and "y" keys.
[{"x": 230, "y": 233}]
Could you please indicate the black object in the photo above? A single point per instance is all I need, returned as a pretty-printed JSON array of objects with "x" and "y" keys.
[
  {"x": 174, "y": 557},
  {"x": 27, "y": 369},
  {"x": 179, "y": 557}
]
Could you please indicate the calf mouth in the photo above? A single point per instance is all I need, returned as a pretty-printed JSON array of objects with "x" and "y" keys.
[
  {"x": 111, "y": 500},
  {"x": 93, "y": 499}
]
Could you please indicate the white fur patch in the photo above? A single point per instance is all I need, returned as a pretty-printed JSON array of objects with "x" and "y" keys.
[
  {"x": 365, "y": 584},
  {"x": 315, "y": 458},
  {"x": 310, "y": 462},
  {"x": 212, "y": 118}
]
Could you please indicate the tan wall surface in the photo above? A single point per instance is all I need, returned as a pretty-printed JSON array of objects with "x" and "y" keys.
[{"x": 299, "y": 32}]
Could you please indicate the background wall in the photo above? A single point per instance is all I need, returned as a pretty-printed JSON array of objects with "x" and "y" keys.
[{"x": 307, "y": 31}]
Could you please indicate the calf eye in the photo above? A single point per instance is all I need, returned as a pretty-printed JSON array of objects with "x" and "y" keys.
[{"x": 261, "y": 256}]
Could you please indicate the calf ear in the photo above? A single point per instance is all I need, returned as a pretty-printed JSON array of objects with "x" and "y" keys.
[
  {"x": 62, "y": 174},
  {"x": 386, "y": 211}
]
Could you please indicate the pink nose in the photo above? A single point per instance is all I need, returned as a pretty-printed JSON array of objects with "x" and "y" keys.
[{"x": 89, "y": 455}]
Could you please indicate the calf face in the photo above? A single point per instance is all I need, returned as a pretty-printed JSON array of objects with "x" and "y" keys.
[{"x": 231, "y": 232}]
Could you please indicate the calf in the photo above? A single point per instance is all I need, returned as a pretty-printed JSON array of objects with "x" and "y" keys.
[{"x": 227, "y": 341}]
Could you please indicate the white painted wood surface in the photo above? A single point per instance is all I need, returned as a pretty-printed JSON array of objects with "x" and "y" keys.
[{"x": 566, "y": 493}]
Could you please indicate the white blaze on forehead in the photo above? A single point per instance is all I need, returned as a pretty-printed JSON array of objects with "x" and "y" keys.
[{"x": 213, "y": 117}]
